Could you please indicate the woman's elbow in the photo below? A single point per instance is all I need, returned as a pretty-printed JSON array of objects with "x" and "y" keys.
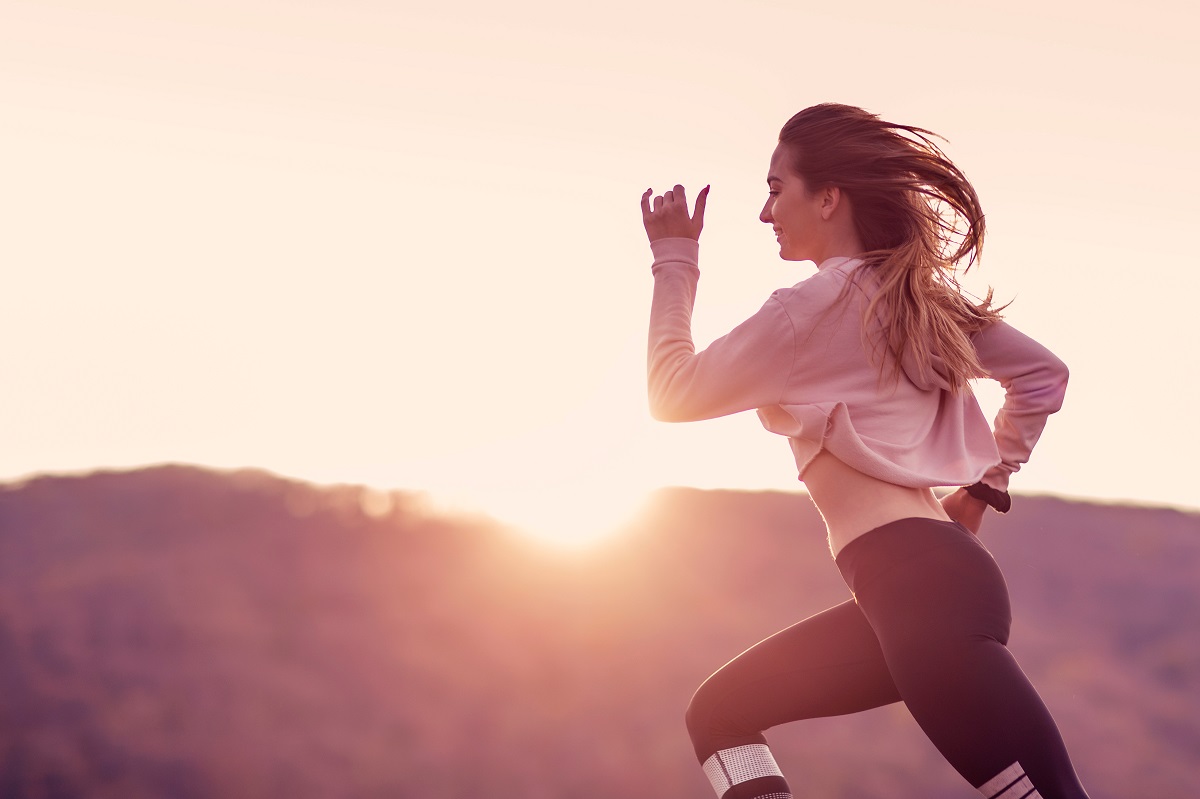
[
  {"x": 1057, "y": 378},
  {"x": 663, "y": 411},
  {"x": 670, "y": 406}
]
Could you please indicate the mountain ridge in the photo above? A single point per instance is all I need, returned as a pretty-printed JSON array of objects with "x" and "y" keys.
[{"x": 181, "y": 631}]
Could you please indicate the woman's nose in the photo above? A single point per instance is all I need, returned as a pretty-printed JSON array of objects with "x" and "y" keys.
[{"x": 765, "y": 216}]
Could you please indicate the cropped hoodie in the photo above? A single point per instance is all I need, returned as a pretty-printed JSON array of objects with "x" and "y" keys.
[{"x": 801, "y": 361}]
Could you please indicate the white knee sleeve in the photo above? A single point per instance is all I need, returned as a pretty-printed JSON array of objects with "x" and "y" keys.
[{"x": 739, "y": 764}]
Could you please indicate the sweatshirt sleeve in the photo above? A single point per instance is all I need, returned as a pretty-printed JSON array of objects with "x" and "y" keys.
[
  {"x": 745, "y": 369},
  {"x": 1034, "y": 382}
]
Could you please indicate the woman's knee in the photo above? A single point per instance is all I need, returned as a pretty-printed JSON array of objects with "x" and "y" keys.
[
  {"x": 713, "y": 719},
  {"x": 698, "y": 716}
]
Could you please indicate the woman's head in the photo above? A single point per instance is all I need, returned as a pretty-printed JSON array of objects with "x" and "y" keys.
[
  {"x": 902, "y": 187},
  {"x": 809, "y": 224},
  {"x": 915, "y": 217}
]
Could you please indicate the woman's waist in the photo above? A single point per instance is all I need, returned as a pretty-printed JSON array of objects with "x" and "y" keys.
[{"x": 853, "y": 503}]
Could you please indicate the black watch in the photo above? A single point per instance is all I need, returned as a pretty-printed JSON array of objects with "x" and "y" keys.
[{"x": 1000, "y": 500}]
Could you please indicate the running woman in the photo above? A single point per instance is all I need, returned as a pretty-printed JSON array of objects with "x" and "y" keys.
[{"x": 864, "y": 368}]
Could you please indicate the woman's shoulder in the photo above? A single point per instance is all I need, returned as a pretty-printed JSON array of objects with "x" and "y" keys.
[{"x": 828, "y": 286}]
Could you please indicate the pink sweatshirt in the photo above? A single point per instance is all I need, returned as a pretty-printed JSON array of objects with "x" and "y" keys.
[{"x": 800, "y": 361}]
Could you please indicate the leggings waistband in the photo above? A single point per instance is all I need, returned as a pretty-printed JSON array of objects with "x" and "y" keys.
[{"x": 889, "y": 545}]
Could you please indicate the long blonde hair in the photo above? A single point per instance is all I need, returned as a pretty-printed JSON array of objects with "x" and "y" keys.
[{"x": 920, "y": 221}]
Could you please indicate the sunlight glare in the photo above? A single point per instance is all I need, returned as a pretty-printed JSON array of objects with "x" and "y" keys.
[{"x": 561, "y": 514}]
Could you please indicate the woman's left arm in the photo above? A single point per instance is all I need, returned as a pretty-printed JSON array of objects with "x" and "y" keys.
[
  {"x": 667, "y": 216},
  {"x": 745, "y": 369}
]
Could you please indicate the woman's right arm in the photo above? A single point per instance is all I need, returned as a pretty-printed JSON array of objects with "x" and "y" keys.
[{"x": 1034, "y": 381}]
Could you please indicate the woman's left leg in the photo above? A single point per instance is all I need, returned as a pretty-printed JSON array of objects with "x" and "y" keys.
[{"x": 829, "y": 664}]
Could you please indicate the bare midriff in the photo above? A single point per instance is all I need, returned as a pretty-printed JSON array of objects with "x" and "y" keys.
[{"x": 853, "y": 503}]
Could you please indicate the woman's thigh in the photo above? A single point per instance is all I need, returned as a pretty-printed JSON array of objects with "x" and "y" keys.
[{"x": 829, "y": 664}]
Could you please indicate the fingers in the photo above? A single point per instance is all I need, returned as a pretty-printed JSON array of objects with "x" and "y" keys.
[
  {"x": 666, "y": 216},
  {"x": 701, "y": 204},
  {"x": 672, "y": 197}
]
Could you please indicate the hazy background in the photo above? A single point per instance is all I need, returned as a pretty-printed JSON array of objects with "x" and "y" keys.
[
  {"x": 183, "y": 633},
  {"x": 370, "y": 243},
  {"x": 399, "y": 243}
]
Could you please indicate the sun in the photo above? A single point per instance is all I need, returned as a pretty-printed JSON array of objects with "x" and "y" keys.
[
  {"x": 557, "y": 512},
  {"x": 570, "y": 478}
]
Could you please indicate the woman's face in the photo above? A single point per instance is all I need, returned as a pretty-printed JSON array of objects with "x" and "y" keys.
[{"x": 792, "y": 211}]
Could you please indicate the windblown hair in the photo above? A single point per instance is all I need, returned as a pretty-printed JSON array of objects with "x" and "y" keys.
[{"x": 920, "y": 222}]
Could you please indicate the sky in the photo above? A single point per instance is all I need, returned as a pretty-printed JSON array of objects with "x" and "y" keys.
[{"x": 399, "y": 245}]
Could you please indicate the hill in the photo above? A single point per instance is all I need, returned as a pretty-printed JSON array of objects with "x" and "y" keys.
[{"x": 179, "y": 632}]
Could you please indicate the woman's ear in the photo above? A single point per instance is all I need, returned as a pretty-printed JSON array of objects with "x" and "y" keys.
[{"x": 829, "y": 200}]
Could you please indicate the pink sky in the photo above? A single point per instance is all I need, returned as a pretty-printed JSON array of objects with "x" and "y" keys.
[{"x": 354, "y": 242}]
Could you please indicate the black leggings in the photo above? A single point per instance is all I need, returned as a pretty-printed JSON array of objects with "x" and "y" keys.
[{"x": 928, "y": 625}]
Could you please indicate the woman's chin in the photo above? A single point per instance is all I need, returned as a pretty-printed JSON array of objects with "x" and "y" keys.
[{"x": 787, "y": 253}]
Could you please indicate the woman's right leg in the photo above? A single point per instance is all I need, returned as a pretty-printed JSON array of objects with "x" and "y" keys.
[
  {"x": 939, "y": 608},
  {"x": 827, "y": 665}
]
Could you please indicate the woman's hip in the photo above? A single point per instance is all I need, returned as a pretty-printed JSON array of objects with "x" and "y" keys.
[{"x": 924, "y": 577}]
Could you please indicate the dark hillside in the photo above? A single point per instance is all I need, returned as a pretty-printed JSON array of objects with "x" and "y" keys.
[{"x": 177, "y": 632}]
